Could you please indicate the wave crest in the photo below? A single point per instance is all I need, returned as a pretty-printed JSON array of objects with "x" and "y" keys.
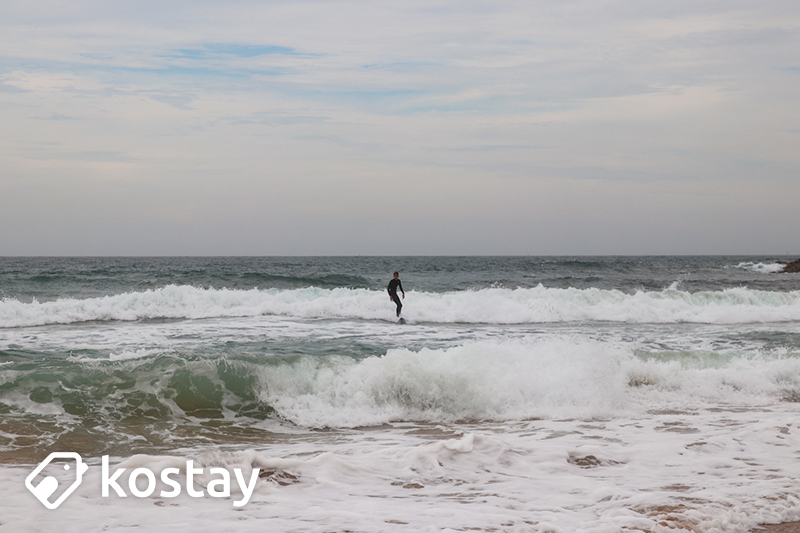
[
  {"x": 516, "y": 380},
  {"x": 485, "y": 306},
  {"x": 764, "y": 268}
]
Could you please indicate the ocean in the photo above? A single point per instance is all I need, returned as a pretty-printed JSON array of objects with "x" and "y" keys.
[{"x": 541, "y": 394}]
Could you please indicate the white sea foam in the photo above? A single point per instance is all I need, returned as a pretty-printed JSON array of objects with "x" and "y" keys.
[
  {"x": 487, "y": 306},
  {"x": 134, "y": 354},
  {"x": 517, "y": 380},
  {"x": 765, "y": 268},
  {"x": 700, "y": 471}
]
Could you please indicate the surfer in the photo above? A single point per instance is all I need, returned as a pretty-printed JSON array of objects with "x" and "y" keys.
[{"x": 393, "y": 286}]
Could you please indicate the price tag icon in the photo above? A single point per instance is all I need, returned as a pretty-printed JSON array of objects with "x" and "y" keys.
[{"x": 49, "y": 485}]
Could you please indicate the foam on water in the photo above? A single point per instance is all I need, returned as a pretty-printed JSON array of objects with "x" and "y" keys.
[
  {"x": 487, "y": 306},
  {"x": 518, "y": 380},
  {"x": 765, "y": 268},
  {"x": 700, "y": 471},
  {"x": 134, "y": 354}
]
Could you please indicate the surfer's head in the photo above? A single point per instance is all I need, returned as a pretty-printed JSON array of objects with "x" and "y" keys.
[{"x": 396, "y": 275}]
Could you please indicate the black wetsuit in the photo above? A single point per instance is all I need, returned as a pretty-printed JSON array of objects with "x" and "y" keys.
[{"x": 393, "y": 286}]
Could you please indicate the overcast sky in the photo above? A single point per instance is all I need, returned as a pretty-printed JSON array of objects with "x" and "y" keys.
[{"x": 403, "y": 128}]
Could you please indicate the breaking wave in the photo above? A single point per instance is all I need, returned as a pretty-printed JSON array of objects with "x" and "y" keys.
[
  {"x": 485, "y": 380},
  {"x": 764, "y": 268},
  {"x": 485, "y": 306}
]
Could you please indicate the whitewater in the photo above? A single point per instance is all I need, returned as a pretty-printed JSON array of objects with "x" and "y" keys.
[
  {"x": 483, "y": 306},
  {"x": 523, "y": 394}
]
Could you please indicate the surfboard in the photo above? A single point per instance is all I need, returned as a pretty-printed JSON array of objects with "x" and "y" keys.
[{"x": 401, "y": 320}]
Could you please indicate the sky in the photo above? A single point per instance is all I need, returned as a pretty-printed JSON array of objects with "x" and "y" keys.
[{"x": 350, "y": 127}]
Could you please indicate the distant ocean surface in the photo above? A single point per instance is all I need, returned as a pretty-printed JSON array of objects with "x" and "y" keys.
[{"x": 542, "y": 394}]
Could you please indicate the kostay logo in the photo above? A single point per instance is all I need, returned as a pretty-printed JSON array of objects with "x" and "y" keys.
[
  {"x": 47, "y": 486},
  {"x": 142, "y": 482}
]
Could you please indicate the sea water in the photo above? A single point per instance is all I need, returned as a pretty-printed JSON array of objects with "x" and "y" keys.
[{"x": 537, "y": 394}]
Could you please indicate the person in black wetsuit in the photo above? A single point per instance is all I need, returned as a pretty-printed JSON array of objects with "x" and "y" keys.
[{"x": 392, "y": 288}]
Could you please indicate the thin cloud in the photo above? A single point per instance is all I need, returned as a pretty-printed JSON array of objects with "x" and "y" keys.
[{"x": 463, "y": 120}]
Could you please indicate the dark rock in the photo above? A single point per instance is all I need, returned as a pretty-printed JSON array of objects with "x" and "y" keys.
[{"x": 794, "y": 266}]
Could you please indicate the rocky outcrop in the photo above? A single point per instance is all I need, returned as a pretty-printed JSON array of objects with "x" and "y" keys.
[{"x": 794, "y": 266}]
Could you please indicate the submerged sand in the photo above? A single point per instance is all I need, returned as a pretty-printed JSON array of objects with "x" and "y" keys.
[{"x": 787, "y": 527}]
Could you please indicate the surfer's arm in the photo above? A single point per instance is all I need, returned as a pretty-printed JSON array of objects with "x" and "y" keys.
[{"x": 400, "y": 286}]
